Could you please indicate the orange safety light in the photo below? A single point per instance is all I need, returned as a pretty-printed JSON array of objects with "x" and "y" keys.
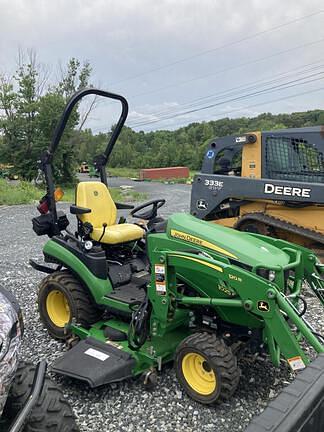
[{"x": 58, "y": 194}]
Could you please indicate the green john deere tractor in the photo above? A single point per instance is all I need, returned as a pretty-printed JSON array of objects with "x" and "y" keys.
[{"x": 130, "y": 297}]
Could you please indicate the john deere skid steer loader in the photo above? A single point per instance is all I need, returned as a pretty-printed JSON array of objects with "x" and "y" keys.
[{"x": 271, "y": 183}]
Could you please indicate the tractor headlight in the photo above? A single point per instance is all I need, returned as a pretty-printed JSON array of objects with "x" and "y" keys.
[{"x": 270, "y": 275}]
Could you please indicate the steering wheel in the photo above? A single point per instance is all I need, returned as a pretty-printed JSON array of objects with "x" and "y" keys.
[{"x": 149, "y": 214}]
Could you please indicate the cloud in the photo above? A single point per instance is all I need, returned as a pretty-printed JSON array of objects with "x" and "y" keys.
[{"x": 139, "y": 38}]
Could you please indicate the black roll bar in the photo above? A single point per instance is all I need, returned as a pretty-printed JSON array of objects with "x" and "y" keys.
[{"x": 99, "y": 162}]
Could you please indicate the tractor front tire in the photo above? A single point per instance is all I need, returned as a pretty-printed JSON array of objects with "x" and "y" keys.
[
  {"x": 61, "y": 298},
  {"x": 52, "y": 411},
  {"x": 206, "y": 368}
]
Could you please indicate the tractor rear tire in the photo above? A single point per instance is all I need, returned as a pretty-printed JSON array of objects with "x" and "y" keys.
[
  {"x": 61, "y": 298},
  {"x": 206, "y": 368},
  {"x": 52, "y": 411}
]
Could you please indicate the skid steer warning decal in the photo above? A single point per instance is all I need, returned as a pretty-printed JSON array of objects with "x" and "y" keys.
[{"x": 160, "y": 279}]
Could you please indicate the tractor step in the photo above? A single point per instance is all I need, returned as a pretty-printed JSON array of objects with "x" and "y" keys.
[
  {"x": 129, "y": 293},
  {"x": 95, "y": 362}
]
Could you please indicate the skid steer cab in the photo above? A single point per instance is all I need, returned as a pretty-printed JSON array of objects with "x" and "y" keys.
[
  {"x": 270, "y": 183},
  {"x": 129, "y": 297}
]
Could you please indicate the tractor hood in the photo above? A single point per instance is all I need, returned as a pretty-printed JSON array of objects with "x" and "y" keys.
[{"x": 228, "y": 242}]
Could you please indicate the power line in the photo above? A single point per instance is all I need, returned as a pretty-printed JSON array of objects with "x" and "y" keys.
[
  {"x": 229, "y": 44},
  {"x": 235, "y": 99},
  {"x": 284, "y": 86},
  {"x": 260, "y": 59},
  {"x": 223, "y": 115},
  {"x": 298, "y": 70},
  {"x": 239, "y": 96},
  {"x": 247, "y": 86},
  {"x": 221, "y": 71}
]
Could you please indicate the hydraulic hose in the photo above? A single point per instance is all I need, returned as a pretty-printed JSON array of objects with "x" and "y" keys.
[{"x": 138, "y": 328}]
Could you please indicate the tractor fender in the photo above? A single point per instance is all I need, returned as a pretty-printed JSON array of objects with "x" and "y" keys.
[{"x": 91, "y": 270}]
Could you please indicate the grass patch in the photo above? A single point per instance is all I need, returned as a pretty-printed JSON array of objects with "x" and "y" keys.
[
  {"x": 124, "y": 172},
  {"x": 27, "y": 193},
  {"x": 18, "y": 193}
]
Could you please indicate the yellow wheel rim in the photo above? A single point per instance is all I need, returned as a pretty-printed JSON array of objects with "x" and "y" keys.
[
  {"x": 57, "y": 308},
  {"x": 198, "y": 374}
]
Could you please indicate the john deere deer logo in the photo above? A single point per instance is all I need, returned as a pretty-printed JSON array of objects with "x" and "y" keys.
[
  {"x": 263, "y": 306},
  {"x": 202, "y": 204}
]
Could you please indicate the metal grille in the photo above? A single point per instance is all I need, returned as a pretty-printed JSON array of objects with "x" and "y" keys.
[{"x": 293, "y": 159}]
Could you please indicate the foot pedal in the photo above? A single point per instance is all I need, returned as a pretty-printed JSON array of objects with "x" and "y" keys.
[
  {"x": 95, "y": 362},
  {"x": 129, "y": 294},
  {"x": 114, "y": 334},
  {"x": 141, "y": 278}
]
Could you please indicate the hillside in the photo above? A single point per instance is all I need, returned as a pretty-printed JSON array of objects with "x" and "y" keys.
[{"x": 185, "y": 146}]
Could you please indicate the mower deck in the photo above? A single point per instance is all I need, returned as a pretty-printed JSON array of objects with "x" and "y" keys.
[{"x": 95, "y": 362}]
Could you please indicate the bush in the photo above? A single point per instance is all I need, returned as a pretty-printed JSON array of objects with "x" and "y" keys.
[
  {"x": 18, "y": 193},
  {"x": 26, "y": 193}
]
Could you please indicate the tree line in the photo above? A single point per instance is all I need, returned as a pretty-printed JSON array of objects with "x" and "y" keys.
[{"x": 186, "y": 145}]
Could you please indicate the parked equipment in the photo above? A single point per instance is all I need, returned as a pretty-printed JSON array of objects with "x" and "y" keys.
[
  {"x": 84, "y": 168},
  {"x": 7, "y": 171},
  {"x": 270, "y": 183},
  {"x": 93, "y": 172},
  {"x": 129, "y": 298},
  {"x": 29, "y": 400}
]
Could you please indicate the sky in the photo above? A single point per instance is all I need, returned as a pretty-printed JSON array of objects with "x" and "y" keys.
[{"x": 178, "y": 61}]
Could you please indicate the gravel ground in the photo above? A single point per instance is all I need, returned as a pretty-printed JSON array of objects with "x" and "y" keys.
[{"x": 125, "y": 406}]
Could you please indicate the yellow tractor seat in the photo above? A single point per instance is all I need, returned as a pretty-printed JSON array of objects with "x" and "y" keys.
[{"x": 96, "y": 197}]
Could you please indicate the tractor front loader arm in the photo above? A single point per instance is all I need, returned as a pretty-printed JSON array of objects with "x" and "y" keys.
[
  {"x": 317, "y": 283},
  {"x": 312, "y": 269},
  {"x": 242, "y": 297},
  {"x": 279, "y": 314}
]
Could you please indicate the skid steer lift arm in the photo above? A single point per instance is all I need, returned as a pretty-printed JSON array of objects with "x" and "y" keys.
[{"x": 211, "y": 192}]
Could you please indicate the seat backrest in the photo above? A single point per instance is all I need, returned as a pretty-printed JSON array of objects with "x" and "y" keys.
[{"x": 95, "y": 196}]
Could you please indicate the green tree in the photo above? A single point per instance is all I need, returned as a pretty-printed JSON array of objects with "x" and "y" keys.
[{"x": 31, "y": 112}]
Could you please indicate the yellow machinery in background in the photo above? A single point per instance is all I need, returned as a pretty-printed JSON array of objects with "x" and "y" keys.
[{"x": 270, "y": 183}]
